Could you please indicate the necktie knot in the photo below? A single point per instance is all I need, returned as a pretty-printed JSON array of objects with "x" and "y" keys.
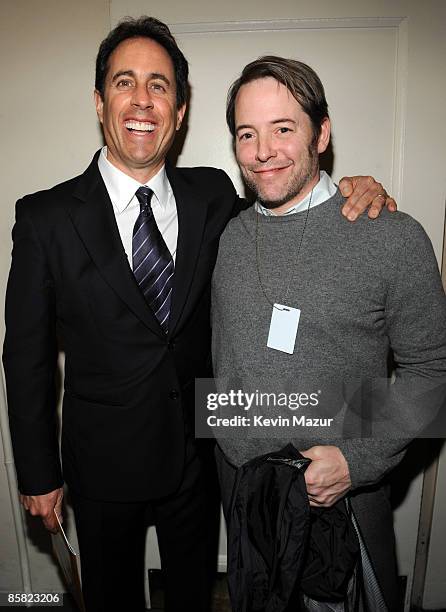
[{"x": 144, "y": 195}]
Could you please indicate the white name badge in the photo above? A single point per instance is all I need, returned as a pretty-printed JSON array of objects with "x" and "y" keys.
[{"x": 283, "y": 328}]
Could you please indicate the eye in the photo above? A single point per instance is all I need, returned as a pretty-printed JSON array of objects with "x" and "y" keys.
[
  {"x": 284, "y": 130},
  {"x": 158, "y": 87},
  {"x": 124, "y": 83},
  {"x": 245, "y": 136}
]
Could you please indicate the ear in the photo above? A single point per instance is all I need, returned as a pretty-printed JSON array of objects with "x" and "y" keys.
[
  {"x": 324, "y": 136},
  {"x": 99, "y": 103},
  {"x": 180, "y": 116}
]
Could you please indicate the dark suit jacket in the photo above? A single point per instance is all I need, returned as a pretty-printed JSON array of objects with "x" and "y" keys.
[{"x": 128, "y": 387}]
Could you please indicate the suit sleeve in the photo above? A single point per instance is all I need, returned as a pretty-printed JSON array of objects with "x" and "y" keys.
[
  {"x": 239, "y": 205},
  {"x": 29, "y": 358},
  {"x": 416, "y": 326}
]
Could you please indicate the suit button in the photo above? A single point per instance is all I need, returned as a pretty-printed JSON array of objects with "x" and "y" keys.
[
  {"x": 174, "y": 395},
  {"x": 171, "y": 345}
]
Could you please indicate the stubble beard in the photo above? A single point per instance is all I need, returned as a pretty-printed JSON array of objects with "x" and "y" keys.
[{"x": 296, "y": 184}]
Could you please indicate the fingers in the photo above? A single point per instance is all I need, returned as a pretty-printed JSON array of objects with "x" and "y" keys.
[
  {"x": 346, "y": 186},
  {"x": 46, "y": 513},
  {"x": 378, "y": 203},
  {"x": 364, "y": 192},
  {"x": 50, "y": 523},
  {"x": 327, "y": 478},
  {"x": 391, "y": 204},
  {"x": 326, "y": 497},
  {"x": 354, "y": 189},
  {"x": 326, "y": 502},
  {"x": 376, "y": 206},
  {"x": 45, "y": 506},
  {"x": 381, "y": 200}
]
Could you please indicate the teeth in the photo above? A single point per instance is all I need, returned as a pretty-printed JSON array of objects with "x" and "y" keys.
[{"x": 140, "y": 126}]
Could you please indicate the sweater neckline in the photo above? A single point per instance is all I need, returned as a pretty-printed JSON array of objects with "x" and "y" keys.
[{"x": 336, "y": 200}]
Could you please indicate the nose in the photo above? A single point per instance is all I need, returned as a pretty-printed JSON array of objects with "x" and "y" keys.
[
  {"x": 142, "y": 97},
  {"x": 265, "y": 149}
]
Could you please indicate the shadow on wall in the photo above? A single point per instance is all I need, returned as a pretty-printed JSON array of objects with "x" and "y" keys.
[
  {"x": 420, "y": 454},
  {"x": 180, "y": 138}
]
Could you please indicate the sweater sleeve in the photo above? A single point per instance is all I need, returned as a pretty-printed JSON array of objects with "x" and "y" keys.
[{"x": 415, "y": 312}]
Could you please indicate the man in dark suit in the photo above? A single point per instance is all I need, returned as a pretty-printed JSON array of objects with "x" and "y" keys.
[{"x": 114, "y": 267}]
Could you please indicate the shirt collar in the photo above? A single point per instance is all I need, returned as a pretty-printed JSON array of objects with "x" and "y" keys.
[
  {"x": 322, "y": 191},
  {"x": 121, "y": 187}
]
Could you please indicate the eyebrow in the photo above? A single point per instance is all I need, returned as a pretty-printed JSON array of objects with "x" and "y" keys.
[
  {"x": 130, "y": 73},
  {"x": 284, "y": 120},
  {"x": 245, "y": 126}
]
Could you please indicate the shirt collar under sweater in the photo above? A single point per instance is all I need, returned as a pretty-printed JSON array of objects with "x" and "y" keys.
[{"x": 322, "y": 191}]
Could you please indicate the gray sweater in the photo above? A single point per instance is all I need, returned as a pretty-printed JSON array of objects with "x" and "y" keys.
[{"x": 364, "y": 289}]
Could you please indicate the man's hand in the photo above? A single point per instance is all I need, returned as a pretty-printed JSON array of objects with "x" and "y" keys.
[
  {"x": 44, "y": 506},
  {"x": 327, "y": 477},
  {"x": 363, "y": 192}
]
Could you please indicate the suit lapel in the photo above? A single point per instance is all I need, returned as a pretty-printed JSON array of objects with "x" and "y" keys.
[
  {"x": 92, "y": 215},
  {"x": 191, "y": 221}
]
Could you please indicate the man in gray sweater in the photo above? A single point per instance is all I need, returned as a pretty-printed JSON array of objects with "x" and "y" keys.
[{"x": 302, "y": 295}]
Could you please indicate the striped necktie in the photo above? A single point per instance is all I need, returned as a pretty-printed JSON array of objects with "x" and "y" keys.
[{"x": 153, "y": 265}]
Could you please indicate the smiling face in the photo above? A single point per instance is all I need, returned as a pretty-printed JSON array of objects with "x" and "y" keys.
[
  {"x": 275, "y": 145},
  {"x": 139, "y": 114}
]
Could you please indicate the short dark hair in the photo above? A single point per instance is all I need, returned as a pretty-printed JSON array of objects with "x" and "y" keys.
[
  {"x": 298, "y": 78},
  {"x": 143, "y": 27}
]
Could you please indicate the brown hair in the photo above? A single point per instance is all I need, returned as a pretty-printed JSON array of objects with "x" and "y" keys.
[{"x": 301, "y": 80}]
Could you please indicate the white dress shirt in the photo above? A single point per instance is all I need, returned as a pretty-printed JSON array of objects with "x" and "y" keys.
[
  {"x": 324, "y": 190},
  {"x": 122, "y": 188}
]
